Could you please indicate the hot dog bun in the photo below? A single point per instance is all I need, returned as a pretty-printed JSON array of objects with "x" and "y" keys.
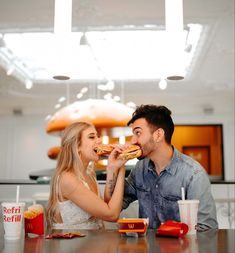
[{"x": 131, "y": 152}]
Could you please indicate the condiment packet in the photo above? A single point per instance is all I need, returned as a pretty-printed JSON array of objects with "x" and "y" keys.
[{"x": 69, "y": 235}]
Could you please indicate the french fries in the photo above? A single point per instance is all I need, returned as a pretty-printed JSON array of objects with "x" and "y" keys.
[{"x": 33, "y": 211}]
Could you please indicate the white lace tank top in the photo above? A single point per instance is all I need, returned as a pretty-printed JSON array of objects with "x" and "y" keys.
[{"x": 74, "y": 217}]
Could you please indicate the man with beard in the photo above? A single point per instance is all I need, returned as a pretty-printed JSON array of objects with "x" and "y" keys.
[{"x": 162, "y": 171}]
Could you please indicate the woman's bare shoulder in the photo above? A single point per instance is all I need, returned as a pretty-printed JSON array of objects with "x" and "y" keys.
[
  {"x": 68, "y": 177},
  {"x": 69, "y": 182}
]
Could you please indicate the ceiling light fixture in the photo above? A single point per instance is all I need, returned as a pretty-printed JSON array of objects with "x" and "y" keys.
[
  {"x": 61, "y": 77},
  {"x": 174, "y": 16},
  {"x": 162, "y": 84},
  {"x": 28, "y": 84},
  {"x": 2, "y": 41},
  {"x": 155, "y": 54},
  {"x": 131, "y": 104},
  {"x": 62, "y": 32},
  {"x": 10, "y": 70},
  {"x": 108, "y": 96},
  {"x": 116, "y": 98},
  {"x": 84, "y": 90},
  {"x": 79, "y": 95},
  {"x": 62, "y": 17},
  {"x": 110, "y": 85},
  {"x": 61, "y": 99},
  {"x": 102, "y": 87},
  {"x": 57, "y": 106},
  {"x": 174, "y": 33},
  {"x": 83, "y": 40}
]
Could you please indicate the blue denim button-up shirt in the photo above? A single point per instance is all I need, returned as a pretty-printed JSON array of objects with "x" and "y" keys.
[{"x": 157, "y": 195}]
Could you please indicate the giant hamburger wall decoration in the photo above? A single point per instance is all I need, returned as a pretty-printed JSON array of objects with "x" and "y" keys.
[{"x": 104, "y": 114}]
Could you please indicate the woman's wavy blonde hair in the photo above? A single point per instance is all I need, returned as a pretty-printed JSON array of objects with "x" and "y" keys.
[{"x": 69, "y": 160}]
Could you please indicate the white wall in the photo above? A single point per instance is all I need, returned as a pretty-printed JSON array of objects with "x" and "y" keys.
[
  {"x": 24, "y": 143},
  {"x": 23, "y": 146}
]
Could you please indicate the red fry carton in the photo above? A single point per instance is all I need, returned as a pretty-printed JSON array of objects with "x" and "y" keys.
[{"x": 34, "y": 220}]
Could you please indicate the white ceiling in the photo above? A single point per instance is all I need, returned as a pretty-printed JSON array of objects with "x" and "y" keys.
[{"x": 211, "y": 83}]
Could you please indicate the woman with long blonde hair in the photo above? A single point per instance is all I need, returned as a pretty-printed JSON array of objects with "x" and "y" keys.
[{"x": 74, "y": 201}]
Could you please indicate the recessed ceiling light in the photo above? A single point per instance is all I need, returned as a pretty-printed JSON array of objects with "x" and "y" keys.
[
  {"x": 175, "y": 78},
  {"x": 61, "y": 78}
]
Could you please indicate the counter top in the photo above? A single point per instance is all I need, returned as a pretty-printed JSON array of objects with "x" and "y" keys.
[
  {"x": 17, "y": 181},
  {"x": 216, "y": 241},
  {"x": 34, "y": 182}
]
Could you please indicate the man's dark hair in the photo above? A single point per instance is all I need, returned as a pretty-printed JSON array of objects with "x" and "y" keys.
[{"x": 157, "y": 117}]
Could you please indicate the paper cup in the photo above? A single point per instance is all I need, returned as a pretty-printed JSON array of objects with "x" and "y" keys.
[
  {"x": 188, "y": 214},
  {"x": 13, "y": 214}
]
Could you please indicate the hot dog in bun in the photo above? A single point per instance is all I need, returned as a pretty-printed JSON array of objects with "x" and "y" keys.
[{"x": 131, "y": 152}]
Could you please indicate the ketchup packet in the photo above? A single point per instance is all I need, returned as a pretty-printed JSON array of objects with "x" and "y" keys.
[
  {"x": 69, "y": 235},
  {"x": 172, "y": 228}
]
